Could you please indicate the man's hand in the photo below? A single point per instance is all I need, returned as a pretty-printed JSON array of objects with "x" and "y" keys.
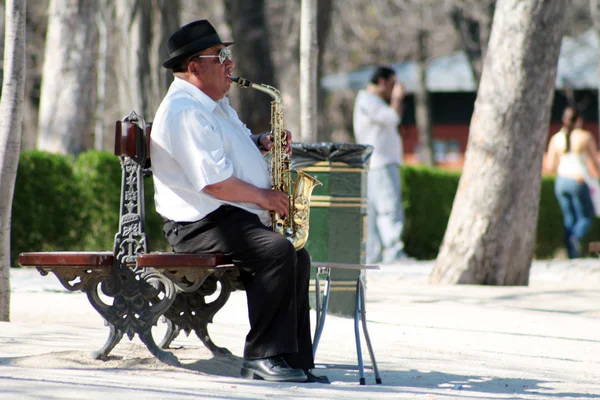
[
  {"x": 396, "y": 97},
  {"x": 398, "y": 91},
  {"x": 266, "y": 142},
  {"x": 275, "y": 200},
  {"x": 235, "y": 190}
]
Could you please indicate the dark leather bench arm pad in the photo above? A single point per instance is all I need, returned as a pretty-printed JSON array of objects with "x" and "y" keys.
[{"x": 92, "y": 259}]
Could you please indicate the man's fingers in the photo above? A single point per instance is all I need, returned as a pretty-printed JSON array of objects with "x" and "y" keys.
[
  {"x": 284, "y": 206},
  {"x": 279, "y": 202}
]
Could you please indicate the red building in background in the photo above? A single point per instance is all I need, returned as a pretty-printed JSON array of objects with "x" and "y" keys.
[
  {"x": 452, "y": 93},
  {"x": 451, "y": 116}
]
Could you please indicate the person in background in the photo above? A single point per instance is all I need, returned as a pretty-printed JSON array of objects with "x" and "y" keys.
[
  {"x": 570, "y": 151},
  {"x": 376, "y": 119},
  {"x": 213, "y": 190}
]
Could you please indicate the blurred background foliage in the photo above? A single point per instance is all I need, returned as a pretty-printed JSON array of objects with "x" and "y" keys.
[
  {"x": 128, "y": 45},
  {"x": 67, "y": 203}
]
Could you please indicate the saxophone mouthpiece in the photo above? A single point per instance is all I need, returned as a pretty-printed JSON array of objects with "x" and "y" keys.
[{"x": 243, "y": 82}]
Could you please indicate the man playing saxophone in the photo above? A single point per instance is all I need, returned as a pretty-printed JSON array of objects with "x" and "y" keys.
[{"x": 213, "y": 188}]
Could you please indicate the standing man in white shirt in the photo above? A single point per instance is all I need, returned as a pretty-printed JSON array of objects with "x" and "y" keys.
[
  {"x": 213, "y": 189},
  {"x": 376, "y": 118}
]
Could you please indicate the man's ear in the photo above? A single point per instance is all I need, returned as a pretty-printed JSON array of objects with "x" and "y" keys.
[
  {"x": 192, "y": 68},
  {"x": 196, "y": 69}
]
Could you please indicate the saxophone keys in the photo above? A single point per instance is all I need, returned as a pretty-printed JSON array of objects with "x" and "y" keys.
[
  {"x": 301, "y": 203},
  {"x": 300, "y": 217}
]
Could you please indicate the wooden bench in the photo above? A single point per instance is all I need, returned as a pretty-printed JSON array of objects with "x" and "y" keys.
[{"x": 144, "y": 285}]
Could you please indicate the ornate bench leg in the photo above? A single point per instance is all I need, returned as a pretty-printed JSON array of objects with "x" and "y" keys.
[
  {"x": 87, "y": 280},
  {"x": 114, "y": 337},
  {"x": 171, "y": 333},
  {"x": 164, "y": 356},
  {"x": 191, "y": 312},
  {"x": 135, "y": 308}
]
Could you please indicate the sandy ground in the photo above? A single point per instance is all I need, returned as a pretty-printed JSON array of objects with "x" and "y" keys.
[{"x": 430, "y": 342}]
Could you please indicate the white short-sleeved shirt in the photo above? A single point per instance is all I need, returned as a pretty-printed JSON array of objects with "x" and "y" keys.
[
  {"x": 376, "y": 123},
  {"x": 196, "y": 142},
  {"x": 570, "y": 164}
]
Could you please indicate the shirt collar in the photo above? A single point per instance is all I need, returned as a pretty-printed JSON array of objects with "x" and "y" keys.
[{"x": 199, "y": 95}]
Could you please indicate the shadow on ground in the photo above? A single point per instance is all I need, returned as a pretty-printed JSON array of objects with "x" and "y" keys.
[
  {"x": 343, "y": 377},
  {"x": 455, "y": 384}
]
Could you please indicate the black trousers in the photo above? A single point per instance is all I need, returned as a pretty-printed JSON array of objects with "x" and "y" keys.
[{"x": 275, "y": 277}]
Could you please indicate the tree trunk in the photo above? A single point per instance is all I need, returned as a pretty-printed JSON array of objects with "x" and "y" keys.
[
  {"x": 67, "y": 94},
  {"x": 324, "y": 13},
  {"x": 144, "y": 31},
  {"x": 102, "y": 19},
  {"x": 595, "y": 13},
  {"x": 284, "y": 20},
  {"x": 251, "y": 36},
  {"x": 308, "y": 71},
  {"x": 287, "y": 28},
  {"x": 485, "y": 28},
  {"x": 474, "y": 36},
  {"x": 167, "y": 23},
  {"x": 490, "y": 237},
  {"x": 422, "y": 105},
  {"x": 135, "y": 38},
  {"x": 36, "y": 22},
  {"x": 11, "y": 103}
]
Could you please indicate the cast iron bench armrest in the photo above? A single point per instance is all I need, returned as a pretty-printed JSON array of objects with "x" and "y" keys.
[
  {"x": 74, "y": 269},
  {"x": 92, "y": 259}
]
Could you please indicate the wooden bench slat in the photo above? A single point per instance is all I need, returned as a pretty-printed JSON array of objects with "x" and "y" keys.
[
  {"x": 96, "y": 259},
  {"x": 169, "y": 259},
  {"x": 208, "y": 260}
]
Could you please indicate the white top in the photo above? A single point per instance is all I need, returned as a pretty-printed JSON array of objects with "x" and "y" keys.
[
  {"x": 376, "y": 124},
  {"x": 571, "y": 164},
  {"x": 196, "y": 142}
]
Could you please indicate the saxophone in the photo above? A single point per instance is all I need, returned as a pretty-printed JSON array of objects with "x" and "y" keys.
[{"x": 295, "y": 226}]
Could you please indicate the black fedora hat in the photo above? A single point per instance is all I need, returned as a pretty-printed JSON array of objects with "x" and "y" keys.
[{"x": 190, "y": 39}]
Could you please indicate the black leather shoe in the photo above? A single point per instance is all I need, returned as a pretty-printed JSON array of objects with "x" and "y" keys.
[
  {"x": 312, "y": 378},
  {"x": 273, "y": 369}
]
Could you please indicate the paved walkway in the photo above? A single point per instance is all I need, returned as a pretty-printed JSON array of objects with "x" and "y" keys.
[{"x": 431, "y": 342}]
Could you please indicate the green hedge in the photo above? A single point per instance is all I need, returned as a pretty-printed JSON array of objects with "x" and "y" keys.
[
  {"x": 428, "y": 194},
  {"x": 62, "y": 203},
  {"x": 47, "y": 205},
  {"x": 99, "y": 178}
]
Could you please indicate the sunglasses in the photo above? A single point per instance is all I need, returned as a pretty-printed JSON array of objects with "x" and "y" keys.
[{"x": 224, "y": 54}]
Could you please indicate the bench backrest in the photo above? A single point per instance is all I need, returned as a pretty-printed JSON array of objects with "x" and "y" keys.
[
  {"x": 132, "y": 141},
  {"x": 133, "y": 148}
]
